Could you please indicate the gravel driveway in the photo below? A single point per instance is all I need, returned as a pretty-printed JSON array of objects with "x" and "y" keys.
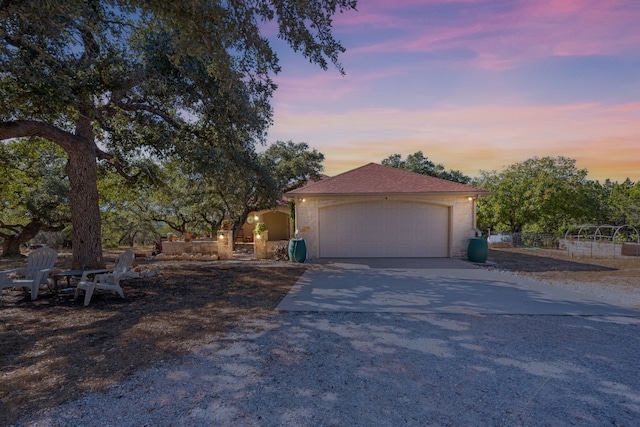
[{"x": 346, "y": 368}]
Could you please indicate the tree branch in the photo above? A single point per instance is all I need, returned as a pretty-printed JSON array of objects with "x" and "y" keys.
[
  {"x": 27, "y": 128},
  {"x": 48, "y": 228},
  {"x": 136, "y": 106},
  {"x": 117, "y": 165},
  {"x": 13, "y": 228}
]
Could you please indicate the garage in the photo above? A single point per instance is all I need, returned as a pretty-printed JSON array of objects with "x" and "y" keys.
[
  {"x": 377, "y": 211},
  {"x": 384, "y": 229}
]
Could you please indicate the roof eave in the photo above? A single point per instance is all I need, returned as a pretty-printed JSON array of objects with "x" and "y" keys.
[{"x": 477, "y": 193}]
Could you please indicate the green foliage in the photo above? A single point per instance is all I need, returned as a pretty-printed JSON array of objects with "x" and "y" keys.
[
  {"x": 34, "y": 182},
  {"x": 292, "y": 213},
  {"x": 157, "y": 62},
  {"x": 261, "y": 227},
  {"x": 34, "y": 194},
  {"x": 291, "y": 164},
  {"x": 116, "y": 81},
  {"x": 538, "y": 195},
  {"x": 624, "y": 203},
  {"x": 418, "y": 163},
  {"x": 240, "y": 180},
  {"x": 197, "y": 194},
  {"x": 110, "y": 245},
  {"x": 125, "y": 207},
  {"x": 181, "y": 200}
]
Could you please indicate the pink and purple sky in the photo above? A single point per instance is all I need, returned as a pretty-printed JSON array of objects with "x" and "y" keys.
[{"x": 474, "y": 85}]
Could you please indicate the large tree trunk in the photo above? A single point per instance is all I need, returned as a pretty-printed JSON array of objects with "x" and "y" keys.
[
  {"x": 11, "y": 244},
  {"x": 83, "y": 179},
  {"x": 85, "y": 210},
  {"x": 11, "y": 248}
]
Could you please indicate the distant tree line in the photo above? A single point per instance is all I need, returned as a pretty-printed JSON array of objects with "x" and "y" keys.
[{"x": 539, "y": 195}]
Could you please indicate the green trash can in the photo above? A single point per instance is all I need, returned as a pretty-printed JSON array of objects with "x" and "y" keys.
[
  {"x": 478, "y": 250},
  {"x": 291, "y": 249},
  {"x": 297, "y": 250}
]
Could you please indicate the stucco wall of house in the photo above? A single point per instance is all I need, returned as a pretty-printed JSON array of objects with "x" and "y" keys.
[
  {"x": 277, "y": 223},
  {"x": 462, "y": 218}
]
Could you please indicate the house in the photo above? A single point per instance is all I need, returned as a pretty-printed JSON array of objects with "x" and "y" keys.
[
  {"x": 381, "y": 211},
  {"x": 277, "y": 220}
]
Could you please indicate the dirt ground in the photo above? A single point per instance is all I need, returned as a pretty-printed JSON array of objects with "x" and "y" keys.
[
  {"x": 54, "y": 349},
  {"x": 549, "y": 265}
]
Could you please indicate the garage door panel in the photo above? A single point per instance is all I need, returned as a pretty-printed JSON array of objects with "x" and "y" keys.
[{"x": 384, "y": 229}]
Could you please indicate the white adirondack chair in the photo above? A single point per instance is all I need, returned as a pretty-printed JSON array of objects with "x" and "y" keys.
[
  {"x": 39, "y": 263},
  {"x": 105, "y": 279}
]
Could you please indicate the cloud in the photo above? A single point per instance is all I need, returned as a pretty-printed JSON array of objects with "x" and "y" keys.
[
  {"x": 502, "y": 34},
  {"x": 331, "y": 87},
  {"x": 603, "y": 138},
  {"x": 466, "y": 83}
]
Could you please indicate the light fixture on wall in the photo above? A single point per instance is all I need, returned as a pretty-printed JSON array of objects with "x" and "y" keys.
[
  {"x": 471, "y": 198},
  {"x": 304, "y": 200}
]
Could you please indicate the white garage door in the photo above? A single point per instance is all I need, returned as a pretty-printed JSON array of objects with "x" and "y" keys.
[{"x": 384, "y": 229}]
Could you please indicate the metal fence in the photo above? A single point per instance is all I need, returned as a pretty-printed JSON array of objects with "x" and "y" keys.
[
  {"x": 595, "y": 246},
  {"x": 532, "y": 240}
]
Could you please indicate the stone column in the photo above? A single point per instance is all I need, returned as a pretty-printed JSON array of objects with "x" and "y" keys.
[
  {"x": 225, "y": 244},
  {"x": 260, "y": 244}
]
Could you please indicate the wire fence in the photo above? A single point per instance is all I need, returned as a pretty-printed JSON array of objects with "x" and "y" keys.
[
  {"x": 537, "y": 240},
  {"x": 592, "y": 247},
  {"x": 528, "y": 240}
]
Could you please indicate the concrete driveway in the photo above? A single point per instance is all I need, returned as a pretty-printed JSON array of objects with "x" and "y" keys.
[{"x": 428, "y": 285}]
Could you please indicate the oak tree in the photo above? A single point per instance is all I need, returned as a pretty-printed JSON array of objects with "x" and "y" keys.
[
  {"x": 418, "y": 163},
  {"x": 108, "y": 80},
  {"x": 545, "y": 194},
  {"x": 34, "y": 193}
]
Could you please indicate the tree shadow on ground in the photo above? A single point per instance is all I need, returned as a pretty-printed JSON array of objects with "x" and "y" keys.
[
  {"x": 53, "y": 349},
  {"x": 363, "y": 369}
]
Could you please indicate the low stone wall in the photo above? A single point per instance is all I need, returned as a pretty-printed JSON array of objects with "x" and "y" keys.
[
  {"x": 592, "y": 249},
  {"x": 185, "y": 257},
  {"x": 204, "y": 247}
]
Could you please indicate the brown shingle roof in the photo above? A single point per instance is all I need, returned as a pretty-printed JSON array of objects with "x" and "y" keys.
[{"x": 378, "y": 179}]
